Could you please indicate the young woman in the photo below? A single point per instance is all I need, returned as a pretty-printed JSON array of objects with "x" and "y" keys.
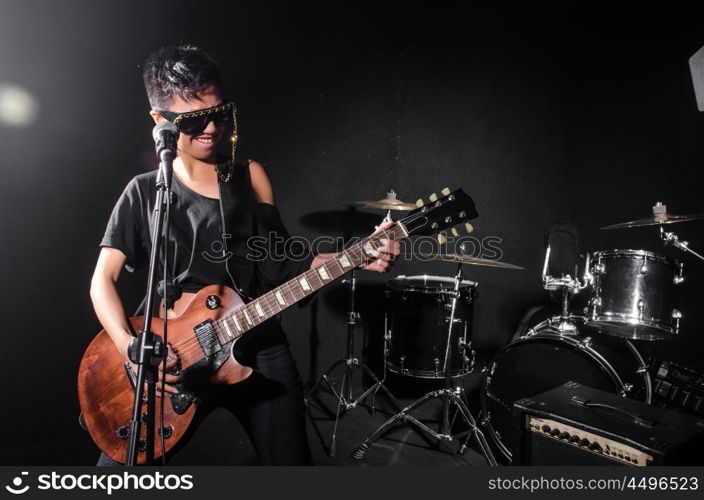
[{"x": 218, "y": 203}]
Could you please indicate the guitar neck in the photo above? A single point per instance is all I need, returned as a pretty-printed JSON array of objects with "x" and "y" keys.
[{"x": 291, "y": 292}]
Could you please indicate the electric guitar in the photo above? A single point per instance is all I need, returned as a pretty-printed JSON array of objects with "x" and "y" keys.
[{"x": 203, "y": 335}]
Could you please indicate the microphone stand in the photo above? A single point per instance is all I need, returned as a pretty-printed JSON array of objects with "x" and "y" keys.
[{"x": 148, "y": 350}]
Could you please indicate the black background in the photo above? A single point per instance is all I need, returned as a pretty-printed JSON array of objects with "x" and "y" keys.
[{"x": 540, "y": 112}]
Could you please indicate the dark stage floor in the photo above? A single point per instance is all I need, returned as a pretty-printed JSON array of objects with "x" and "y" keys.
[
  {"x": 403, "y": 444},
  {"x": 221, "y": 440}
]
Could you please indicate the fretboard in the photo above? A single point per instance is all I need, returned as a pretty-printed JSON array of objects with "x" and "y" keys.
[{"x": 254, "y": 313}]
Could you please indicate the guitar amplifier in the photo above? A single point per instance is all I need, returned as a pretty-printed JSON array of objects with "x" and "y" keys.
[{"x": 578, "y": 425}]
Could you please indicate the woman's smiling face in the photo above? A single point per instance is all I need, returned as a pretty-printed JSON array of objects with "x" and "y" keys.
[{"x": 201, "y": 146}]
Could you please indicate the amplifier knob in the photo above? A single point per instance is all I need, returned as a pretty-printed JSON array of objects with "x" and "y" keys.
[
  {"x": 546, "y": 428},
  {"x": 565, "y": 436},
  {"x": 584, "y": 442},
  {"x": 574, "y": 439},
  {"x": 555, "y": 432}
]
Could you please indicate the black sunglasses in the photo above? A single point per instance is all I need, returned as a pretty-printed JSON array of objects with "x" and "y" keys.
[{"x": 194, "y": 122}]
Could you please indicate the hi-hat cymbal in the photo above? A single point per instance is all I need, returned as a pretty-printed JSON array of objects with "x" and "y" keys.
[
  {"x": 388, "y": 203},
  {"x": 466, "y": 259},
  {"x": 660, "y": 216}
]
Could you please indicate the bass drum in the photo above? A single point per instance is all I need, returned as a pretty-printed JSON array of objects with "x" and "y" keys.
[{"x": 545, "y": 359}]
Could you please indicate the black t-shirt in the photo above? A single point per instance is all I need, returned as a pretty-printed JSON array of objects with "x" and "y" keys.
[{"x": 233, "y": 241}]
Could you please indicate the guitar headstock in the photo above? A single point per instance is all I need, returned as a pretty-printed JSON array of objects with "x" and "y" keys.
[{"x": 440, "y": 213}]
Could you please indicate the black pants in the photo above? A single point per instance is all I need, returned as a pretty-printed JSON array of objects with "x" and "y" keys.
[{"x": 269, "y": 404}]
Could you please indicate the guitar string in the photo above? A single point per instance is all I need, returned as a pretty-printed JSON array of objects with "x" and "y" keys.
[{"x": 194, "y": 344}]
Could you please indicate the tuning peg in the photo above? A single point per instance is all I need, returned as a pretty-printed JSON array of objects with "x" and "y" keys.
[
  {"x": 433, "y": 197},
  {"x": 441, "y": 238},
  {"x": 420, "y": 202},
  {"x": 468, "y": 227},
  {"x": 455, "y": 232},
  {"x": 445, "y": 191}
]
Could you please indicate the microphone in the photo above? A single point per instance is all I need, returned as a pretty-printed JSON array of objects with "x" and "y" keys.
[{"x": 165, "y": 135}]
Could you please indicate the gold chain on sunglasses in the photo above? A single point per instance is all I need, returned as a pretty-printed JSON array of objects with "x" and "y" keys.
[
  {"x": 233, "y": 138},
  {"x": 203, "y": 112}
]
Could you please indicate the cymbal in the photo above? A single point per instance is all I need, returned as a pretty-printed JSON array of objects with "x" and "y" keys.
[
  {"x": 388, "y": 203},
  {"x": 660, "y": 216},
  {"x": 385, "y": 204},
  {"x": 466, "y": 259}
]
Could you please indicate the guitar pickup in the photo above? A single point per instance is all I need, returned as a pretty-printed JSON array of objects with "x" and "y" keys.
[{"x": 207, "y": 338}]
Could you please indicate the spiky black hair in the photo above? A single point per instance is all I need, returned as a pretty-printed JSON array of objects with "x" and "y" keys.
[{"x": 183, "y": 70}]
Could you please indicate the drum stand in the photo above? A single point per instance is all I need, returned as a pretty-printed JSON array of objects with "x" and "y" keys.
[
  {"x": 670, "y": 238},
  {"x": 563, "y": 324},
  {"x": 448, "y": 395},
  {"x": 345, "y": 399}
]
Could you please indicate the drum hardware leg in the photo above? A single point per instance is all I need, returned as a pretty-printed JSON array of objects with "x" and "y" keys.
[
  {"x": 565, "y": 325},
  {"x": 323, "y": 380},
  {"x": 401, "y": 416},
  {"x": 448, "y": 395},
  {"x": 643, "y": 371},
  {"x": 378, "y": 384},
  {"x": 344, "y": 396}
]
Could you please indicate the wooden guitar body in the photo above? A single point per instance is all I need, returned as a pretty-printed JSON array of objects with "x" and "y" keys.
[{"x": 105, "y": 387}]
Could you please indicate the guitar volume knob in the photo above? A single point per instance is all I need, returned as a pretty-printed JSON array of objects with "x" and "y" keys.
[
  {"x": 123, "y": 432},
  {"x": 212, "y": 302},
  {"x": 167, "y": 431}
]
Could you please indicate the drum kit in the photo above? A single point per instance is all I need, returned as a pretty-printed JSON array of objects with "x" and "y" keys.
[
  {"x": 428, "y": 335},
  {"x": 632, "y": 297}
]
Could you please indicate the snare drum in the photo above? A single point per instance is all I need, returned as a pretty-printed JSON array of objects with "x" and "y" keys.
[
  {"x": 634, "y": 294},
  {"x": 417, "y": 320}
]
